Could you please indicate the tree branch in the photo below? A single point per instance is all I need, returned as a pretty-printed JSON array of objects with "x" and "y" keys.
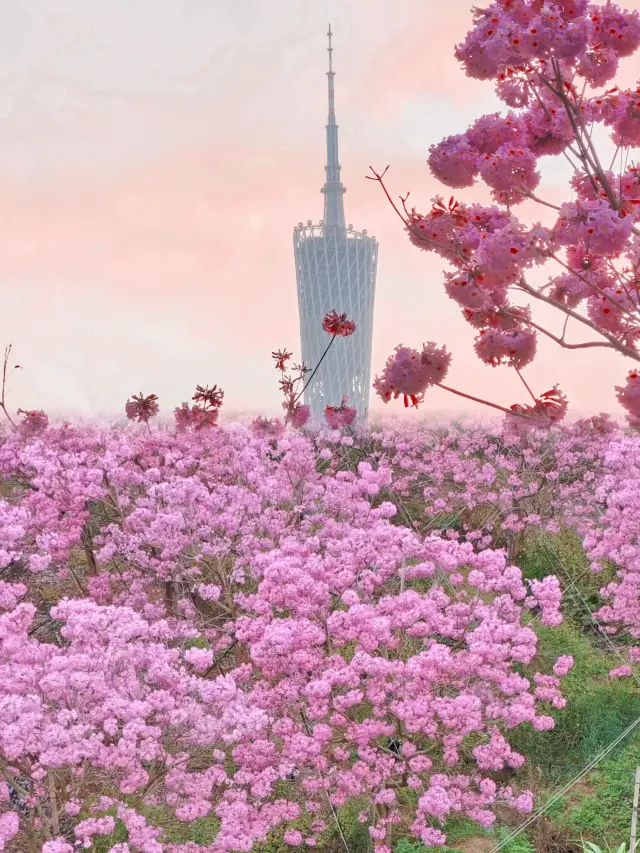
[
  {"x": 560, "y": 341},
  {"x": 615, "y": 343}
]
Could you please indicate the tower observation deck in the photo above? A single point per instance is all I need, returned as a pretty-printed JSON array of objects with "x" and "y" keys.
[{"x": 335, "y": 269}]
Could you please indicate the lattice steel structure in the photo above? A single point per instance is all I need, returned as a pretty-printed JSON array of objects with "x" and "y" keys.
[{"x": 335, "y": 269}]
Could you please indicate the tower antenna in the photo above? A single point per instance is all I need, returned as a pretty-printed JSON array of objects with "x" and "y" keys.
[{"x": 333, "y": 189}]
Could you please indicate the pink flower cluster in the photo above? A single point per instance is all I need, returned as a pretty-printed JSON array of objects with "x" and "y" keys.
[
  {"x": 340, "y": 416},
  {"x": 409, "y": 373},
  {"x": 614, "y": 541}
]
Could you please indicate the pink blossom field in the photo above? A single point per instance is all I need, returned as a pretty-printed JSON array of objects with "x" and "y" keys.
[{"x": 256, "y": 629}]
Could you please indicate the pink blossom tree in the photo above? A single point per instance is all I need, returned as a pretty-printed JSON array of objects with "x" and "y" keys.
[{"x": 549, "y": 63}]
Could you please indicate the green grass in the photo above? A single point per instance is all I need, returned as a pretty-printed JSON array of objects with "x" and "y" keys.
[
  {"x": 602, "y": 812},
  {"x": 520, "y": 844}
]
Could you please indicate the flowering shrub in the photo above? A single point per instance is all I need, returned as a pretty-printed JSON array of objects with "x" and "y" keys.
[{"x": 240, "y": 636}]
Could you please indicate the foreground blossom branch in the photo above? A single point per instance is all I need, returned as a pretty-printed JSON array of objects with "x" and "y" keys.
[
  {"x": 612, "y": 342},
  {"x": 542, "y": 60},
  {"x": 409, "y": 374},
  {"x": 419, "y": 235},
  {"x": 336, "y": 325},
  {"x": 561, "y": 341}
]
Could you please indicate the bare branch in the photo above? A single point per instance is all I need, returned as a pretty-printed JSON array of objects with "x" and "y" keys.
[
  {"x": 560, "y": 341},
  {"x": 7, "y": 353},
  {"x": 614, "y": 342}
]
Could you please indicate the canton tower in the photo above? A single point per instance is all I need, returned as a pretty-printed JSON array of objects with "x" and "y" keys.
[{"x": 335, "y": 269}]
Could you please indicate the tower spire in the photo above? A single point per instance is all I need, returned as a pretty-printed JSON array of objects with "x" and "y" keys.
[{"x": 333, "y": 189}]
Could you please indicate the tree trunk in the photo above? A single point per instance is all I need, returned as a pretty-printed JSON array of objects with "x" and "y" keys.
[
  {"x": 88, "y": 550},
  {"x": 170, "y": 598}
]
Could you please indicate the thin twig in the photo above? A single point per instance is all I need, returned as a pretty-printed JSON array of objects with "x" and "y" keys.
[{"x": 3, "y": 406}]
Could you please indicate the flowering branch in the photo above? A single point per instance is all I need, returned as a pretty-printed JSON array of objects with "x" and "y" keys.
[
  {"x": 613, "y": 342},
  {"x": 315, "y": 370},
  {"x": 560, "y": 341},
  {"x": 336, "y": 325}
]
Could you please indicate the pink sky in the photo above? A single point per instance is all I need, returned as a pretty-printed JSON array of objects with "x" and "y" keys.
[{"x": 155, "y": 156}]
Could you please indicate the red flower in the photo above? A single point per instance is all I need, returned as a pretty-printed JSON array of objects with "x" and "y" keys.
[
  {"x": 300, "y": 415},
  {"x": 211, "y": 397},
  {"x": 142, "y": 409},
  {"x": 267, "y": 426},
  {"x": 549, "y": 408},
  {"x": 337, "y": 324},
  {"x": 196, "y": 418},
  {"x": 200, "y": 417},
  {"x": 280, "y": 357}
]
